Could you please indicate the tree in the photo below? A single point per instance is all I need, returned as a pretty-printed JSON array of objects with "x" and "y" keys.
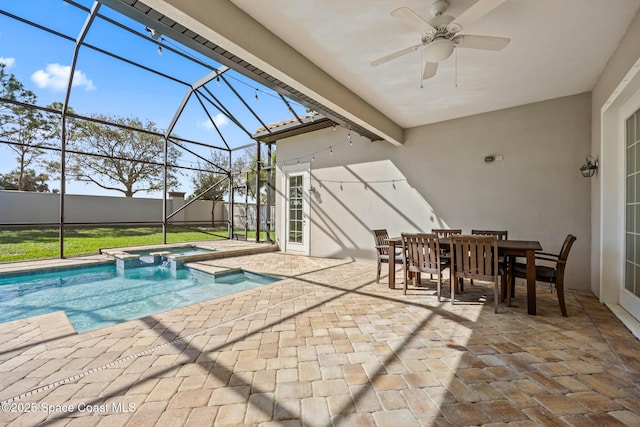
[
  {"x": 203, "y": 181},
  {"x": 250, "y": 162},
  {"x": 26, "y": 127},
  {"x": 26, "y": 180},
  {"x": 119, "y": 159}
]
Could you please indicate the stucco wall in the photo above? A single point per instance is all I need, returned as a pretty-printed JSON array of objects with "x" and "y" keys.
[{"x": 439, "y": 179}]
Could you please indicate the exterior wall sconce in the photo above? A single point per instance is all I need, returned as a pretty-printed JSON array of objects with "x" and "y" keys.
[{"x": 589, "y": 167}]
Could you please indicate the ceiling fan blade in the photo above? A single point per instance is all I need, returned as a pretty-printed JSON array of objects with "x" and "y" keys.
[
  {"x": 430, "y": 69},
  {"x": 475, "y": 12},
  {"x": 481, "y": 42},
  {"x": 412, "y": 19},
  {"x": 397, "y": 54}
]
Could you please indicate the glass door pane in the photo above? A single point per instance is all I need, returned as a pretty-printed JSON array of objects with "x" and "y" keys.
[
  {"x": 632, "y": 202},
  {"x": 295, "y": 209}
]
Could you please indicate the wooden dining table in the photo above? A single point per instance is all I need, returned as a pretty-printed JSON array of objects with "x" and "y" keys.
[{"x": 508, "y": 248}]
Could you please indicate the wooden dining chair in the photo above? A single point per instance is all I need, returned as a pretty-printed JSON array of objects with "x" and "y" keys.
[
  {"x": 381, "y": 237},
  {"x": 550, "y": 270},
  {"x": 444, "y": 233},
  {"x": 423, "y": 256},
  {"x": 475, "y": 257},
  {"x": 501, "y": 235}
]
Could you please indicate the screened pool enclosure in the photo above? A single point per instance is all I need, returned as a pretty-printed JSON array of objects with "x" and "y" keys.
[{"x": 132, "y": 103}]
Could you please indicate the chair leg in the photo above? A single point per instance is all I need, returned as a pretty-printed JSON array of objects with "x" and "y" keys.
[
  {"x": 560, "y": 291},
  {"x": 496, "y": 292},
  {"x": 453, "y": 285},
  {"x": 378, "y": 275},
  {"x": 406, "y": 280},
  {"x": 512, "y": 277},
  {"x": 407, "y": 276},
  {"x": 506, "y": 289}
]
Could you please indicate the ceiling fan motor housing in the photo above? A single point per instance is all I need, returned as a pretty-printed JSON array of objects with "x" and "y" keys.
[
  {"x": 438, "y": 7},
  {"x": 442, "y": 27}
]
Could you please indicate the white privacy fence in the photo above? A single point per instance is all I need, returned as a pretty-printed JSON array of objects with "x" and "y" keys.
[{"x": 29, "y": 208}]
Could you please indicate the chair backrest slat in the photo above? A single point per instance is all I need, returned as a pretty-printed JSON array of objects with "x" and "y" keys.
[{"x": 381, "y": 237}]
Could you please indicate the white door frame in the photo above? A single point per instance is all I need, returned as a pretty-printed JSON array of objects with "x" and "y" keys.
[
  {"x": 304, "y": 170},
  {"x": 628, "y": 301},
  {"x": 609, "y": 284}
]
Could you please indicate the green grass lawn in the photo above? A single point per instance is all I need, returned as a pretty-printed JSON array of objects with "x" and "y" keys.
[{"x": 21, "y": 245}]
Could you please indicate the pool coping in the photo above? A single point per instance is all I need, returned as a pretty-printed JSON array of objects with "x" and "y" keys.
[
  {"x": 32, "y": 268},
  {"x": 56, "y": 264}
]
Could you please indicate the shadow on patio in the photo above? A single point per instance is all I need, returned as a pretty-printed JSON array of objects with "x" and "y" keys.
[{"x": 327, "y": 345}]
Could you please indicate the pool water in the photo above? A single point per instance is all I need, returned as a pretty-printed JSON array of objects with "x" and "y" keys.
[{"x": 96, "y": 297}]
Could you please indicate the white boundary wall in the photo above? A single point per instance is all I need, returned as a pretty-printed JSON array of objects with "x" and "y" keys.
[
  {"x": 25, "y": 207},
  {"x": 22, "y": 207}
]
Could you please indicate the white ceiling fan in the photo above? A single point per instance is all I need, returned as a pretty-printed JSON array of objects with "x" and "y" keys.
[{"x": 440, "y": 35}]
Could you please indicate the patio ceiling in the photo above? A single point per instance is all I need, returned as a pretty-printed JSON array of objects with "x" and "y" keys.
[
  {"x": 558, "y": 48},
  {"x": 323, "y": 49}
]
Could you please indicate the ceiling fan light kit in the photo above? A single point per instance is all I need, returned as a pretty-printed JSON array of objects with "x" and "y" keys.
[
  {"x": 440, "y": 34},
  {"x": 438, "y": 50}
]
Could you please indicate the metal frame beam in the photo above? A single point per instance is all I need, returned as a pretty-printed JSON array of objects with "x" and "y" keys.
[{"x": 65, "y": 105}]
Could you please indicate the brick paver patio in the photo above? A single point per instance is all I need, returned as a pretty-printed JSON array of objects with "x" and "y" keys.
[{"x": 327, "y": 346}]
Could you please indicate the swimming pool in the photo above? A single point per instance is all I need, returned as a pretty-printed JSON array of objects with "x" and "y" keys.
[{"x": 100, "y": 296}]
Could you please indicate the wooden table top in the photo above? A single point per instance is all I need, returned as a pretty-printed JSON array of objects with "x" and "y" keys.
[{"x": 521, "y": 245}]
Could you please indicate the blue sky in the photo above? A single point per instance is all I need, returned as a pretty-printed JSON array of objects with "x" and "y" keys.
[{"x": 102, "y": 84}]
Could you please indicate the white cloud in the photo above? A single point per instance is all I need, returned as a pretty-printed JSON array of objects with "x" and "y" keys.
[
  {"x": 219, "y": 119},
  {"x": 8, "y": 62},
  {"x": 56, "y": 76}
]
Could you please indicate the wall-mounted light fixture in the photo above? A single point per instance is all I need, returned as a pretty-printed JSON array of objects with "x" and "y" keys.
[
  {"x": 491, "y": 158},
  {"x": 589, "y": 167}
]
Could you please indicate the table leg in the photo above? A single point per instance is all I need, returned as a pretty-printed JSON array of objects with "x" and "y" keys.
[
  {"x": 392, "y": 265},
  {"x": 531, "y": 282}
]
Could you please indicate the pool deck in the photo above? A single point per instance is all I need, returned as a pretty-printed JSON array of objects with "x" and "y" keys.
[{"x": 327, "y": 346}]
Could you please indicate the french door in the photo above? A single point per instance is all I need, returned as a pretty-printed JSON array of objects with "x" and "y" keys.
[
  {"x": 630, "y": 289},
  {"x": 296, "y": 208}
]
